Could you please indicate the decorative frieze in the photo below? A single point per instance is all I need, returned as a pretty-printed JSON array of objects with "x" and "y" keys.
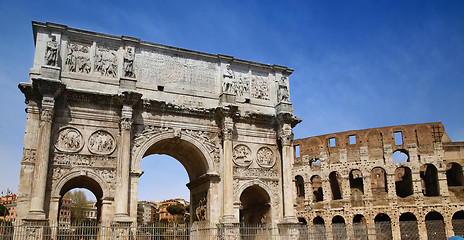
[
  {"x": 75, "y": 160},
  {"x": 241, "y": 172}
]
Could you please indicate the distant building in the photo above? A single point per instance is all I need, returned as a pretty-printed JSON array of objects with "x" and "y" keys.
[
  {"x": 91, "y": 212},
  {"x": 146, "y": 211},
  {"x": 65, "y": 210},
  {"x": 164, "y": 214},
  {"x": 9, "y": 201}
]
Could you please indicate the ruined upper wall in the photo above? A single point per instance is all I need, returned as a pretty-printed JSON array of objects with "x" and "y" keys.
[
  {"x": 106, "y": 63},
  {"x": 372, "y": 142}
]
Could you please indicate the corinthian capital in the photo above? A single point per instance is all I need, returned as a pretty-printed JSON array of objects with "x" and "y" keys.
[
  {"x": 125, "y": 124},
  {"x": 286, "y": 135},
  {"x": 46, "y": 114},
  {"x": 227, "y": 132}
]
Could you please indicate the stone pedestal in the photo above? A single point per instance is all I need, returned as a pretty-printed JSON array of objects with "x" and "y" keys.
[{"x": 50, "y": 72}]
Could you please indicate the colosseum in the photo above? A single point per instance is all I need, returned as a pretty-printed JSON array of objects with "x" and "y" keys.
[{"x": 399, "y": 182}]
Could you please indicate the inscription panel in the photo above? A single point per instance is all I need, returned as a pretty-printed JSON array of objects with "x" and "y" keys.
[{"x": 175, "y": 71}]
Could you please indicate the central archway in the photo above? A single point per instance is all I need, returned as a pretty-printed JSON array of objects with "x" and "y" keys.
[{"x": 196, "y": 160}]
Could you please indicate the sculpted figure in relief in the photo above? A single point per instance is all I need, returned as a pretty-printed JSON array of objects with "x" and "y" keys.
[
  {"x": 228, "y": 80},
  {"x": 282, "y": 93},
  {"x": 101, "y": 142},
  {"x": 200, "y": 211},
  {"x": 51, "y": 53},
  {"x": 242, "y": 155},
  {"x": 69, "y": 140},
  {"x": 106, "y": 62},
  {"x": 70, "y": 58},
  {"x": 78, "y": 59},
  {"x": 129, "y": 63},
  {"x": 265, "y": 157}
]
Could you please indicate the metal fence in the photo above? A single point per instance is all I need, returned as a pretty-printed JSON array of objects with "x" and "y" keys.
[{"x": 95, "y": 231}]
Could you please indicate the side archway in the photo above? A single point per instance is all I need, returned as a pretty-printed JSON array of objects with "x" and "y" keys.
[
  {"x": 82, "y": 179},
  {"x": 256, "y": 202}
]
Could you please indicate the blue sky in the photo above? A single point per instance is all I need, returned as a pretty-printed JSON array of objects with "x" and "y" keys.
[{"x": 358, "y": 64}]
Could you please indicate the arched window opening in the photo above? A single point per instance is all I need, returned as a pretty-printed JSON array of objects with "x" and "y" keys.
[
  {"x": 360, "y": 227},
  {"x": 302, "y": 221},
  {"x": 335, "y": 185},
  {"x": 316, "y": 183},
  {"x": 255, "y": 206},
  {"x": 356, "y": 187},
  {"x": 164, "y": 179},
  {"x": 379, "y": 184},
  {"x": 403, "y": 182},
  {"x": 408, "y": 226},
  {"x": 454, "y": 175},
  {"x": 429, "y": 179},
  {"x": 300, "y": 189},
  {"x": 458, "y": 223},
  {"x": 319, "y": 227},
  {"x": 400, "y": 156},
  {"x": 383, "y": 229},
  {"x": 435, "y": 226},
  {"x": 338, "y": 227}
]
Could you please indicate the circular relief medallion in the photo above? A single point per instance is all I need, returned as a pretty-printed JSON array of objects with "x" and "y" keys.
[
  {"x": 101, "y": 142},
  {"x": 242, "y": 155},
  {"x": 69, "y": 140},
  {"x": 265, "y": 157}
]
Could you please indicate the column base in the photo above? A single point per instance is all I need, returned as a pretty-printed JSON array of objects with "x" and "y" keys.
[
  {"x": 289, "y": 220},
  {"x": 228, "y": 219},
  {"x": 122, "y": 218},
  {"x": 35, "y": 216}
]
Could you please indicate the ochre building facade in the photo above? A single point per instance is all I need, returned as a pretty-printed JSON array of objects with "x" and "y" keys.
[{"x": 404, "y": 180}]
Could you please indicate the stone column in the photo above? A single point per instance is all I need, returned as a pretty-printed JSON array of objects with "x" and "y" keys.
[
  {"x": 286, "y": 140},
  {"x": 29, "y": 150},
  {"x": 36, "y": 211},
  {"x": 228, "y": 171},
  {"x": 123, "y": 166},
  {"x": 124, "y": 156}
]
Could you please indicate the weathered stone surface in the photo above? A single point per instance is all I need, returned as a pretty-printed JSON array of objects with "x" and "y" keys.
[{"x": 373, "y": 181}]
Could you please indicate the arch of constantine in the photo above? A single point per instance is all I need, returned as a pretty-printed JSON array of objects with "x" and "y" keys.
[{"x": 97, "y": 104}]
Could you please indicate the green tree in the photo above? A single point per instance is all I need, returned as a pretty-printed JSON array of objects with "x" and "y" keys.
[
  {"x": 79, "y": 205},
  {"x": 3, "y": 211},
  {"x": 175, "y": 210}
]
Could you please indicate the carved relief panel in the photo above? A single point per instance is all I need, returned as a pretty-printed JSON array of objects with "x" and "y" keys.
[
  {"x": 265, "y": 157},
  {"x": 260, "y": 87},
  {"x": 69, "y": 140},
  {"x": 101, "y": 142},
  {"x": 106, "y": 61},
  {"x": 78, "y": 58},
  {"x": 242, "y": 155}
]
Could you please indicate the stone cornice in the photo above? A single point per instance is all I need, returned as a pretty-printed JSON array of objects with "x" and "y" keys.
[{"x": 154, "y": 105}]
